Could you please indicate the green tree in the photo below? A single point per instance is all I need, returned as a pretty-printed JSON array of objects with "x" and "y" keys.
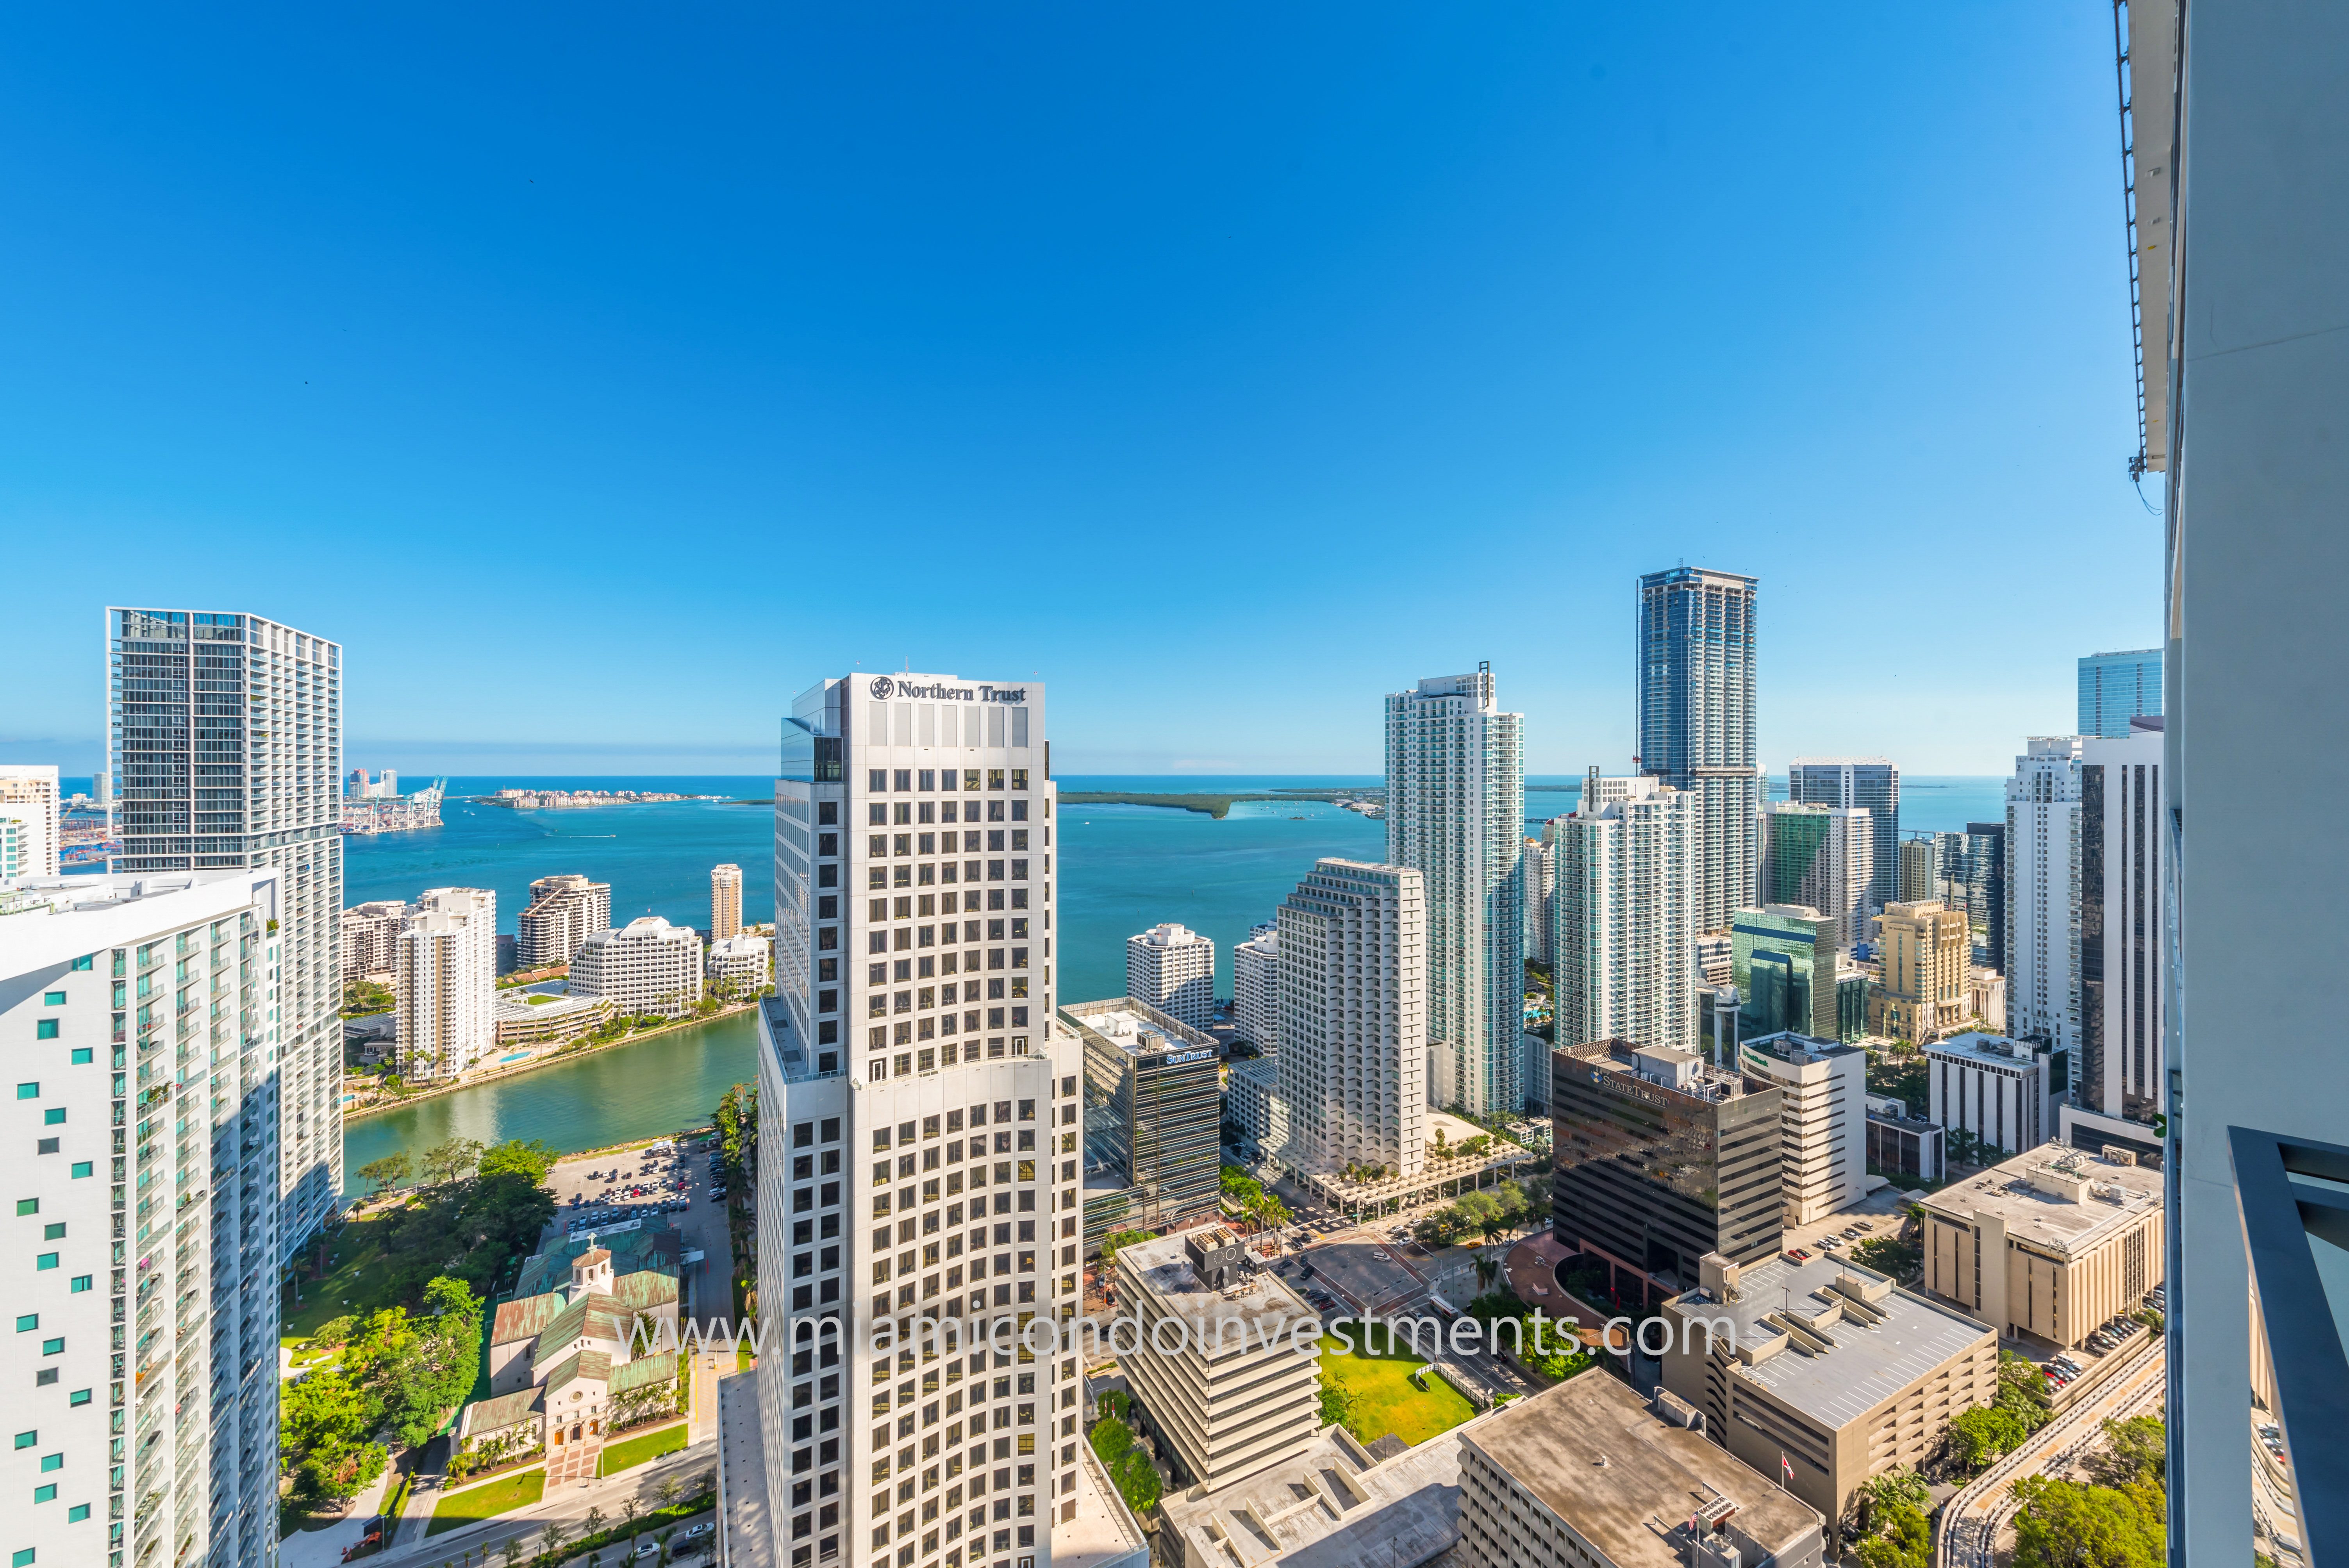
[
  {"x": 1337, "y": 1405},
  {"x": 1110, "y": 1437},
  {"x": 452, "y": 1161},
  {"x": 1116, "y": 1239},
  {"x": 737, "y": 1120},
  {"x": 2064, "y": 1524},
  {"x": 429, "y": 1367},
  {"x": 2135, "y": 1452},
  {"x": 530, "y": 1160},
  {"x": 390, "y": 1170},
  {"x": 1979, "y": 1435},
  {"x": 324, "y": 1424},
  {"x": 1903, "y": 1539}
]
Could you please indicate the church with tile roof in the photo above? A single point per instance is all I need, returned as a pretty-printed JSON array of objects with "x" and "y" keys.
[{"x": 566, "y": 1362}]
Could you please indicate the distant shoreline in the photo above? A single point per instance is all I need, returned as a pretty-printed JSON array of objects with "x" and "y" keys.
[{"x": 1210, "y": 805}]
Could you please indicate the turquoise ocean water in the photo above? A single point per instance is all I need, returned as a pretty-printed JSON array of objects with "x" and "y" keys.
[{"x": 1122, "y": 869}]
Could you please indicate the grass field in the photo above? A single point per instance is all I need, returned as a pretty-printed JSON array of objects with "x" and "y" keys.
[
  {"x": 475, "y": 1505},
  {"x": 1383, "y": 1398},
  {"x": 356, "y": 1286},
  {"x": 630, "y": 1452}
]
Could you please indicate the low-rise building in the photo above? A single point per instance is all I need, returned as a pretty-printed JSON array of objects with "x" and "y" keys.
[
  {"x": 1822, "y": 1105},
  {"x": 1902, "y": 1148},
  {"x": 2081, "y": 1237},
  {"x": 528, "y": 1018},
  {"x": 1998, "y": 1088},
  {"x": 1237, "y": 1397},
  {"x": 1153, "y": 1118},
  {"x": 644, "y": 966},
  {"x": 572, "y": 1355},
  {"x": 1590, "y": 1475},
  {"x": 1336, "y": 1504},
  {"x": 1824, "y": 1373},
  {"x": 1986, "y": 998},
  {"x": 743, "y": 962}
]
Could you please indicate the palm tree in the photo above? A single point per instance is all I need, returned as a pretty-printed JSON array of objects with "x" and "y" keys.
[{"x": 668, "y": 1492}]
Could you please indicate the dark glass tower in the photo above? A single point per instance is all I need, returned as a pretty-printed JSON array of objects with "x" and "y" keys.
[{"x": 1696, "y": 721}]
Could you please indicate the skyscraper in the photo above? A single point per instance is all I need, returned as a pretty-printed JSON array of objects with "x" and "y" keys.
[
  {"x": 1871, "y": 784},
  {"x": 145, "y": 1355},
  {"x": 445, "y": 981},
  {"x": 1173, "y": 968},
  {"x": 725, "y": 902},
  {"x": 2117, "y": 687},
  {"x": 1541, "y": 880},
  {"x": 1977, "y": 862},
  {"x": 1787, "y": 965},
  {"x": 1624, "y": 925},
  {"x": 912, "y": 1028},
  {"x": 225, "y": 736},
  {"x": 1696, "y": 719},
  {"x": 2123, "y": 959},
  {"x": 1256, "y": 988},
  {"x": 564, "y": 911},
  {"x": 2043, "y": 880},
  {"x": 1455, "y": 814},
  {"x": 1823, "y": 856},
  {"x": 1353, "y": 1024}
]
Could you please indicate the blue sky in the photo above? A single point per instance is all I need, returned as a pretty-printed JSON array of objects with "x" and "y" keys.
[{"x": 599, "y": 375}]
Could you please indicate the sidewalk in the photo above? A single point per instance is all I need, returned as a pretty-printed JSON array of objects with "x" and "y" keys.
[{"x": 570, "y": 1503}]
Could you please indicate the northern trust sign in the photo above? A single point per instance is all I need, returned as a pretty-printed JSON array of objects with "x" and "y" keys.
[{"x": 886, "y": 686}]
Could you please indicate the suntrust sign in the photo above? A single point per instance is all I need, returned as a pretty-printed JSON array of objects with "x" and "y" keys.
[{"x": 886, "y": 686}]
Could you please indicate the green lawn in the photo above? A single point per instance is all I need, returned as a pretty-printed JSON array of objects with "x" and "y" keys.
[
  {"x": 630, "y": 1452},
  {"x": 475, "y": 1505},
  {"x": 360, "y": 1280},
  {"x": 1384, "y": 1399}
]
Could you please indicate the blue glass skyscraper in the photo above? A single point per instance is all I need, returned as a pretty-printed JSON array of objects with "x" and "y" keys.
[{"x": 2117, "y": 687}]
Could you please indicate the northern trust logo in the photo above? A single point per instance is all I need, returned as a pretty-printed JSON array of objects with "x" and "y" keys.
[{"x": 884, "y": 686}]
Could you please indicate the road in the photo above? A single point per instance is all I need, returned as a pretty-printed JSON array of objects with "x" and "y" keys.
[
  {"x": 688, "y": 1469},
  {"x": 1971, "y": 1520}
]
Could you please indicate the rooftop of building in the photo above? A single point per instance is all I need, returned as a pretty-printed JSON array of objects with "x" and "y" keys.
[
  {"x": 1799, "y": 1049},
  {"x": 1104, "y": 1533},
  {"x": 88, "y": 895},
  {"x": 1977, "y": 1046},
  {"x": 1832, "y": 1339},
  {"x": 1333, "y": 1506},
  {"x": 1163, "y": 1264},
  {"x": 1123, "y": 1023},
  {"x": 2056, "y": 1198},
  {"x": 1660, "y": 1067},
  {"x": 515, "y": 1002},
  {"x": 1167, "y": 934},
  {"x": 1628, "y": 1480}
]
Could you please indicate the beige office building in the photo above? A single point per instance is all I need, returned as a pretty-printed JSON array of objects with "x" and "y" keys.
[
  {"x": 1822, "y": 1119},
  {"x": 1825, "y": 1366},
  {"x": 1590, "y": 1475},
  {"x": 1926, "y": 989},
  {"x": 725, "y": 902},
  {"x": 1228, "y": 1403},
  {"x": 2081, "y": 1236}
]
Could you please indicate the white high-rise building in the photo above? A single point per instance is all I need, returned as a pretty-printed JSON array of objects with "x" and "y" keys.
[
  {"x": 1173, "y": 968},
  {"x": 1871, "y": 784},
  {"x": 444, "y": 985},
  {"x": 564, "y": 911},
  {"x": 1625, "y": 919},
  {"x": 28, "y": 793},
  {"x": 1255, "y": 987},
  {"x": 742, "y": 960},
  {"x": 1455, "y": 814},
  {"x": 1697, "y": 651},
  {"x": 140, "y": 1017},
  {"x": 225, "y": 738},
  {"x": 644, "y": 966},
  {"x": 1540, "y": 878},
  {"x": 2043, "y": 880},
  {"x": 1353, "y": 1017},
  {"x": 921, "y": 1113},
  {"x": 1822, "y": 856},
  {"x": 1822, "y": 1119}
]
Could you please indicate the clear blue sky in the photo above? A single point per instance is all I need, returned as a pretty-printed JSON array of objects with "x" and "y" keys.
[{"x": 599, "y": 374}]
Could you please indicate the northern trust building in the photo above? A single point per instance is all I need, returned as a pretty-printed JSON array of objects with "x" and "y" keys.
[{"x": 920, "y": 1174}]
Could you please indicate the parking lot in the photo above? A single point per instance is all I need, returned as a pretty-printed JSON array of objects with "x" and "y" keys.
[{"x": 612, "y": 1188}]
